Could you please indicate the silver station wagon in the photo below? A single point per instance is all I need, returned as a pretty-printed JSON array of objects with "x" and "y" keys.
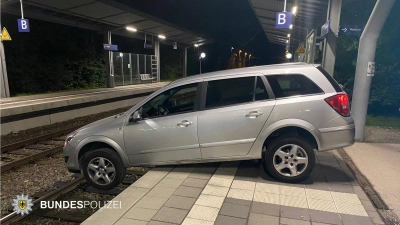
[{"x": 277, "y": 113}]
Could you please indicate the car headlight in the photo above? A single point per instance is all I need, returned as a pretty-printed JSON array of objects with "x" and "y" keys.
[{"x": 69, "y": 137}]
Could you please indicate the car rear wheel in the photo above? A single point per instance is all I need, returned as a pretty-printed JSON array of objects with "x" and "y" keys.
[
  {"x": 103, "y": 169},
  {"x": 289, "y": 159}
]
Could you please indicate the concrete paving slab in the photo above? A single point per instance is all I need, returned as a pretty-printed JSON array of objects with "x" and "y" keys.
[
  {"x": 137, "y": 213},
  {"x": 265, "y": 208},
  {"x": 287, "y": 221},
  {"x": 227, "y": 220},
  {"x": 295, "y": 213},
  {"x": 170, "y": 215},
  {"x": 191, "y": 192},
  {"x": 235, "y": 210},
  {"x": 193, "y": 182},
  {"x": 379, "y": 164},
  {"x": 180, "y": 202},
  {"x": 260, "y": 219}
]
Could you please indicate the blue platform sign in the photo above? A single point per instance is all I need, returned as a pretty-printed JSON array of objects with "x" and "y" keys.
[
  {"x": 23, "y": 25},
  {"x": 351, "y": 29},
  {"x": 283, "y": 19},
  {"x": 110, "y": 47},
  {"x": 325, "y": 28}
]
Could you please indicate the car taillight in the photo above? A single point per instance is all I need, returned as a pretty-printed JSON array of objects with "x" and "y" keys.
[{"x": 340, "y": 103}]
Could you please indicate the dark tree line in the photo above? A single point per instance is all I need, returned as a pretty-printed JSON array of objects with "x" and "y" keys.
[
  {"x": 385, "y": 85},
  {"x": 52, "y": 57}
]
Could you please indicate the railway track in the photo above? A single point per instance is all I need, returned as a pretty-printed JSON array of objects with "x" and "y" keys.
[
  {"x": 61, "y": 194},
  {"x": 21, "y": 153}
]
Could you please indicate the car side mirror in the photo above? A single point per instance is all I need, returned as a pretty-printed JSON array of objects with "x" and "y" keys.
[{"x": 135, "y": 117}]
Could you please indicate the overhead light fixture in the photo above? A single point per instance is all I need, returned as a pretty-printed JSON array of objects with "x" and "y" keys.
[
  {"x": 202, "y": 55},
  {"x": 131, "y": 29},
  {"x": 161, "y": 36},
  {"x": 294, "y": 10},
  {"x": 288, "y": 35},
  {"x": 291, "y": 26},
  {"x": 196, "y": 45}
]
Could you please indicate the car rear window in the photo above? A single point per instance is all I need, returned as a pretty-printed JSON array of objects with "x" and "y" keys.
[
  {"x": 292, "y": 85},
  {"x": 331, "y": 80}
]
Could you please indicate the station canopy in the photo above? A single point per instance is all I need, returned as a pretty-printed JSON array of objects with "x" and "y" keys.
[
  {"x": 310, "y": 14},
  {"x": 103, "y": 16}
]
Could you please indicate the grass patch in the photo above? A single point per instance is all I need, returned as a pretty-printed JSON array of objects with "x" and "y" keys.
[{"x": 383, "y": 121}]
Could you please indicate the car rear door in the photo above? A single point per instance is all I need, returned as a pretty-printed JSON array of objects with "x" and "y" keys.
[{"x": 233, "y": 112}]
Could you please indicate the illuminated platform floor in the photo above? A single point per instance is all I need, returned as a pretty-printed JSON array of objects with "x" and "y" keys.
[{"x": 240, "y": 193}]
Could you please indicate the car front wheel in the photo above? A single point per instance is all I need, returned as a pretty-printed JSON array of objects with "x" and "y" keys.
[
  {"x": 103, "y": 169},
  {"x": 289, "y": 159}
]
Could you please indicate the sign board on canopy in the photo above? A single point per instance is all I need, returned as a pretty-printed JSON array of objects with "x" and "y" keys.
[{"x": 283, "y": 19}]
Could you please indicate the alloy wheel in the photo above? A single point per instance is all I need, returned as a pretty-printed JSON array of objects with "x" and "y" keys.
[
  {"x": 101, "y": 171},
  {"x": 290, "y": 160}
]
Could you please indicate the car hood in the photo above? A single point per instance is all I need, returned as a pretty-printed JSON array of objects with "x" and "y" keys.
[{"x": 103, "y": 124}]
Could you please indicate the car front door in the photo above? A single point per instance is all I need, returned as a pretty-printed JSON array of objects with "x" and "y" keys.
[
  {"x": 167, "y": 132},
  {"x": 235, "y": 110}
]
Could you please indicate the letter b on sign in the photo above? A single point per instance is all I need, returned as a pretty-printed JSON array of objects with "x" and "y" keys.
[
  {"x": 23, "y": 25},
  {"x": 283, "y": 19}
]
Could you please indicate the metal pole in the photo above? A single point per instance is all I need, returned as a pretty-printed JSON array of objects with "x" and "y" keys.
[
  {"x": 366, "y": 53},
  {"x": 5, "y": 92},
  {"x": 109, "y": 62},
  {"x": 138, "y": 68},
  {"x": 22, "y": 10},
  {"x": 329, "y": 52},
  {"x": 130, "y": 66},
  {"x": 200, "y": 64},
  {"x": 122, "y": 70},
  {"x": 157, "y": 53},
  {"x": 185, "y": 63},
  {"x": 284, "y": 6}
]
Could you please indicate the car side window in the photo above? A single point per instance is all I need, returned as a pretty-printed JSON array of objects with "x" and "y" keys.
[
  {"x": 292, "y": 85},
  {"x": 176, "y": 100},
  {"x": 229, "y": 92}
]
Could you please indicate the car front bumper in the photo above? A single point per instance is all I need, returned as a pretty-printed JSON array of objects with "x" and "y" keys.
[{"x": 71, "y": 160}]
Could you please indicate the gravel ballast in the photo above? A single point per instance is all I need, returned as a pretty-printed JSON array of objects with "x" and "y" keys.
[{"x": 37, "y": 177}]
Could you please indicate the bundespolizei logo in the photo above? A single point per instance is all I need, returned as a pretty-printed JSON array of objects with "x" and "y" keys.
[{"x": 22, "y": 204}]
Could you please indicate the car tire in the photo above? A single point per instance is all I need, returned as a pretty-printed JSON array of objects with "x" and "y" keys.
[
  {"x": 296, "y": 167},
  {"x": 103, "y": 168}
]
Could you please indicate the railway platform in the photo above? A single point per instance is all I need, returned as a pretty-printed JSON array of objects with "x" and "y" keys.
[
  {"x": 21, "y": 113},
  {"x": 240, "y": 193}
]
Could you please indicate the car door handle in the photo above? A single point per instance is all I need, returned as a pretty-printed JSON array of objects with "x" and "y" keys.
[
  {"x": 254, "y": 114},
  {"x": 184, "y": 123}
]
